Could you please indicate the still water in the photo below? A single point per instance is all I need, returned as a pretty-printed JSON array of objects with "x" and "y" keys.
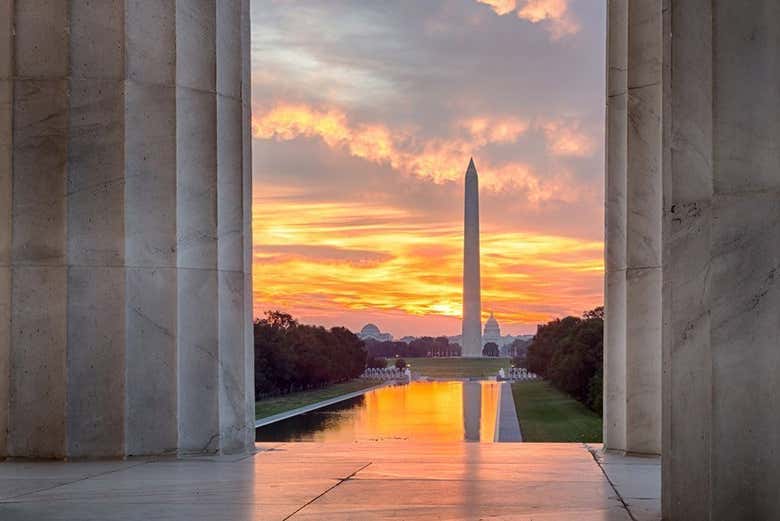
[{"x": 422, "y": 411}]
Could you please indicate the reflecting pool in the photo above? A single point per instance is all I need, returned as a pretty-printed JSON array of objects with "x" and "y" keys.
[{"x": 423, "y": 411}]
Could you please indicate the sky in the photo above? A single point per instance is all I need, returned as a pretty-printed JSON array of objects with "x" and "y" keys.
[{"x": 364, "y": 116}]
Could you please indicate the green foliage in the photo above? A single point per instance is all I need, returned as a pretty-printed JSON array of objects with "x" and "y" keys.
[
  {"x": 569, "y": 353},
  {"x": 419, "y": 347},
  {"x": 490, "y": 349},
  {"x": 376, "y": 363},
  {"x": 292, "y": 357},
  {"x": 287, "y": 402},
  {"x": 517, "y": 351},
  {"x": 596, "y": 391}
]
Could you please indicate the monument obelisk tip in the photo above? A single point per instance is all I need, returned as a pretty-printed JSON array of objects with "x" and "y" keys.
[{"x": 471, "y": 168}]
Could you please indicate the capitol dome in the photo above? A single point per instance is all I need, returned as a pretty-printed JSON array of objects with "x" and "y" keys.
[
  {"x": 492, "y": 332},
  {"x": 491, "y": 326},
  {"x": 370, "y": 330}
]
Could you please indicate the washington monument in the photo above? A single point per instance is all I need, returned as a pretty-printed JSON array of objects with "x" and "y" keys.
[{"x": 472, "y": 308}]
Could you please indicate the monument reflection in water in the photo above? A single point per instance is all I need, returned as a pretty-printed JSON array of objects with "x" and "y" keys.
[{"x": 422, "y": 411}]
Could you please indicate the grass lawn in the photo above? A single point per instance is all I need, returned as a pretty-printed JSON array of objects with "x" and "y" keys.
[
  {"x": 547, "y": 414},
  {"x": 456, "y": 367},
  {"x": 275, "y": 405}
]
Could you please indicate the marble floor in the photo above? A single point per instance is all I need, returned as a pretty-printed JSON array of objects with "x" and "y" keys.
[{"x": 343, "y": 481}]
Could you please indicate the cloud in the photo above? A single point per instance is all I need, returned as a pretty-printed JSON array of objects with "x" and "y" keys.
[
  {"x": 439, "y": 160},
  {"x": 567, "y": 138},
  {"x": 319, "y": 261},
  {"x": 555, "y": 14},
  {"x": 362, "y": 136},
  {"x": 501, "y": 7},
  {"x": 484, "y": 130},
  {"x": 320, "y": 253}
]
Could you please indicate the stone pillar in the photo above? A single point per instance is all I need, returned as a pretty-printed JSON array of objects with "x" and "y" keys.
[
  {"x": 633, "y": 228},
  {"x": 6, "y": 96},
  {"x": 615, "y": 229},
  {"x": 230, "y": 237},
  {"x": 125, "y": 190},
  {"x": 721, "y": 259}
]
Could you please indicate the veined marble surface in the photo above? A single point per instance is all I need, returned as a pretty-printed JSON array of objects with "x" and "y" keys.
[
  {"x": 342, "y": 481},
  {"x": 125, "y": 229}
]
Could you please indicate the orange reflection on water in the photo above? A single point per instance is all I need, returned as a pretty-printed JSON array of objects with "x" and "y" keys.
[{"x": 423, "y": 411}]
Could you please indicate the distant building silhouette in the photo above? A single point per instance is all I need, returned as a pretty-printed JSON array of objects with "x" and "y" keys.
[
  {"x": 371, "y": 331},
  {"x": 492, "y": 332}
]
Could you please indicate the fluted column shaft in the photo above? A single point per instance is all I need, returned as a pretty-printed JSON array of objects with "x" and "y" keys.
[
  {"x": 633, "y": 228},
  {"x": 615, "y": 228},
  {"x": 125, "y": 186},
  {"x": 721, "y": 229},
  {"x": 720, "y": 193},
  {"x": 6, "y": 187}
]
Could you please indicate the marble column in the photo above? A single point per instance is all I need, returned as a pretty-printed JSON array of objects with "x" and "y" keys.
[
  {"x": 633, "y": 228},
  {"x": 721, "y": 259},
  {"x": 125, "y": 238},
  {"x": 6, "y": 96},
  {"x": 615, "y": 229}
]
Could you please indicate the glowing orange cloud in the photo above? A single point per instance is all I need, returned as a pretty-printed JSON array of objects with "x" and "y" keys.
[
  {"x": 555, "y": 13},
  {"x": 501, "y": 7},
  {"x": 324, "y": 259},
  {"x": 439, "y": 160},
  {"x": 565, "y": 138},
  {"x": 485, "y": 130},
  {"x": 330, "y": 261}
]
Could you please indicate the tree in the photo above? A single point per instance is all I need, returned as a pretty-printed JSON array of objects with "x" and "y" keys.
[
  {"x": 419, "y": 347},
  {"x": 490, "y": 349},
  {"x": 279, "y": 320},
  {"x": 376, "y": 363},
  {"x": 569, "y": 353},
  {"x": 597, "y": 313},
  {"x": 290, "y": 356},
  {"x": 400, "y": 364},
  {"x": 441, "y": 346},
  {"x": 517, "y": 350}
]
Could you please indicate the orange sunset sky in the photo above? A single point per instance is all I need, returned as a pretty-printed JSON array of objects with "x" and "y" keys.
[{"x": 365, "y": 114}]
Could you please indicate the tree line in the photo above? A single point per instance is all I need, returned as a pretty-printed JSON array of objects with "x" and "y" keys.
[
  {"x": 418, "y": 348},
  {"x": 290, "y": 356},
  {"x": 569, "y": 353}
]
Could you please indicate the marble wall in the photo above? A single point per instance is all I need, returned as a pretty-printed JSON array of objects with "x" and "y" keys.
[
  {"x": 722, "y": 222},
  {"x": 717, "y": 153},
  {"x": 125, "y": 230}
]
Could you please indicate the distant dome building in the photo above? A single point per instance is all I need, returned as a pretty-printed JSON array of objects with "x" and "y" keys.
[
  {"x": 492, "y": 332},
  {"x": 371, "y": 331}
]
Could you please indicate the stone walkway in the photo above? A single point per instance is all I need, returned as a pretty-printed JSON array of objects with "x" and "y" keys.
[
  {"x": 353, "y": 481},
  {"x": 637, "y": 480}
]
